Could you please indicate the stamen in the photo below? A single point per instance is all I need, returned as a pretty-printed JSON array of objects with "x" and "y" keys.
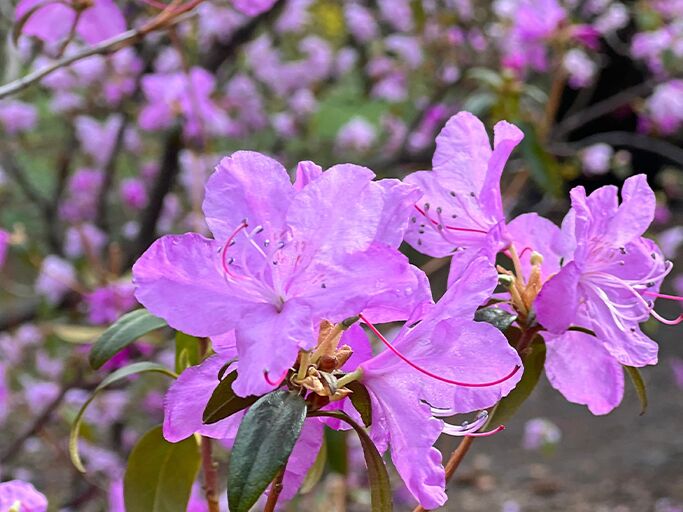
[
  {"x": 427, "y": 372},
  {"x": 666, "y": 321},
  {"x": 452, "y": 228},
  {"x": 663, "y": 295},
  {"x": 229, "y": 242},
  {"x": 470, "y": 429},
  {"x": 277, "y": 382},
  {"x": 499, "y": 428}
]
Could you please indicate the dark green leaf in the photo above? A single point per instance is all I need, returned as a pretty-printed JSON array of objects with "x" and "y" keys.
[
  {"x": 186, "y": 351},
  {"x": 159, "y": 475},
  {"x": 360, "y": 398},
  {"x": 380, "y": 487},
  {"x": 337, "y": 451},
  {"x": 497, "y": 317},
  {"x": 316, "y": 472},
  {"x": 127, "y": 329},
  {"x": 639, "y": 384},
  {"x": 533, "y": 360},
  {"x": 263, "y": 444},
  {"x": 116, "y": 376},
  {"x": 224, "y": 402}
]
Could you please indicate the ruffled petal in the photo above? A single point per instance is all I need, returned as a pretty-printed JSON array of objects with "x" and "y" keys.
[
  {"x": 23, "y": 492},
  {"x": 101, "y": 21},
  {"x": 50, "y": 23},
  {"x": 538, "y": 234},
  {"x": 399, "y": 199},
  {"x": 636, "y": 212},
  {"x": 558, "y": 301},
  {"x": 306, "y": 172},
  {"x": 580, "y": 368},
  {"x": 268, "y": 341},
  {"x": 178, "y": 273},
  {"x": 186, "y": 400},
  {"x": 247, "y": 185}
]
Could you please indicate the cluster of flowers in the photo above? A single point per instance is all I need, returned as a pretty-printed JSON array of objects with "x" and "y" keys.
[{"x": 292, "y": 267}]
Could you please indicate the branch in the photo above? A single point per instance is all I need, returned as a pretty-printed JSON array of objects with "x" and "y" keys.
[
  {"x": 168, "y": 18},
  {"x": 109, "y": 172},
  {"x": 626, "y": 139},
  {"x": 599, "y": 109}
]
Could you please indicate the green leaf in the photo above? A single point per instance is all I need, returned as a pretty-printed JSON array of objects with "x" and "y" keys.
[
  {"x": 543, "y": 166},
  {"x": 77, "y": 334},
  {"x": 186, "y": 351},
  {"x": 380, "y": 487},
  {"x": 224, "y": 402},
  {"x": 317, "y": 469},
  {"x": 360, "y": 399},
  {"x": 497, "y": 317},
  {"x": 263, "y": 444},
  {"x": 159, "y": 475},
  {"x": 127, "y": 329},
  {"x": 639, "y": 384},
  {"x": 116, "y": 376},
  {"x": 533, "y": 360}
]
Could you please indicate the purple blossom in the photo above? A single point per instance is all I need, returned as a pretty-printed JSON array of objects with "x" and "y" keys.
[
  {"x": 665, "y": 106},
  {"x": 580, "y": 67},
  {"x": 461, "y": 211},
  {"x": 55, "y": 279},
  {"x": 284, "y": 258},
  {"x": 611, "y": 274},
  {"x": 361, "y": 22},
  {"x": 108, "y": 303},
  {"x": 17, "y": 116},
  {"x": 539, "y": 433},
  {"x": 84, "y": 239},
  {"x": 171, "y": 94},
  {"x": 133, "y": 193},
  {"x": 597, "y": 159},
  {"x": 448, "y": 343},
  {"x": 357, "y": 135},
  {"x": 52, "y": 21},
  {"x": 83, "y": 189},
  {"x": 253, "y": 7},
  {"x": 578, "y": 365},
  {"x": 98, "y": 139},
  {"x": 23, "y": 493}
]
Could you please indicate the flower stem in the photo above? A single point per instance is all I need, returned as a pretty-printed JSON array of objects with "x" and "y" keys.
[
  {"x": 453, "y": 462},
  {"x": 210, "y": 475},
  {"x": 275, "y": 490}
]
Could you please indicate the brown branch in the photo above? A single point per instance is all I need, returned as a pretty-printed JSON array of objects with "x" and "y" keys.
[
  {"x": 109, "y": 172},
  {"x": 173, "y": 15},
  {"x": 210, "y": 475},
  {"x": 275, "y": 490}
]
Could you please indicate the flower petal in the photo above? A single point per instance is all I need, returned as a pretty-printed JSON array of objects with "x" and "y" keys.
[
  {"x": 306, "y": 172},
  {"x": 558, "y": 301},
  {"x": 302, "y": 458},
  {"x": 186, "y": 400},
  {"x": 247, "y": 185},
  {"x": 179, "y": 272},
  {"x": 538, "y": 234},
  {"x": 636, "y": 212},
  {"x": 23, "y": 492},
  {"x": 268, "y": 341},
  {"x": 101, "y": 21},
  {"x": 580, "y": 368}
]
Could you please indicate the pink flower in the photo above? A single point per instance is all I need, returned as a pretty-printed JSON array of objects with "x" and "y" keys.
[
  {"x": 52, "y": 21},
  {"x": 23, "y": 493},
  {"x": 284, "y": 257},
  {"x": 17, "y": 116},
  {"x": 461, "y": 211}
]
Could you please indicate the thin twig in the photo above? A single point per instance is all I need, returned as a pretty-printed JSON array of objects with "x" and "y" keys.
[
  {"x": 210, "y": 475},
  {"x": 453, "y": 462},
  {"x": 599, "y": 109},
  {"x": 109, "y": 173},
  {"x": 168, "y": 18},
  {"x": 639, "y": 141},
  {"x": 275, "y": 490}
]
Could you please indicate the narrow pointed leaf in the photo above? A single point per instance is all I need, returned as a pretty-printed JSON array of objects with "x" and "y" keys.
[
  {"x": 264, "y": 442},
  {"x": 159, "y": 475},
  {"x": 533, "y": 361},
  {"x": 127, "y": 329},
  {"x": 116, "y": 376},
  {"x": 380, "y": 487},
  {"x": 224, "y": 402},
  {"x": 360, "y": 398},
  {"x": 639, "y": 384}
]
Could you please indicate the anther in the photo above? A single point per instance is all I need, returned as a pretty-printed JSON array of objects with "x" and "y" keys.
[
  {"x": 622, "y": 250},
  {"x": 413, "y": 219},
  {"x": 438, "y": 209},
  {"x": 452, "y": 193},
  {"x": 426, "y": 206}
]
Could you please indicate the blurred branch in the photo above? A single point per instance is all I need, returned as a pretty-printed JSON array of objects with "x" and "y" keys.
[
  {"x": 599, "y": 109},
  {"x": 639, "y": 141},
  {"x": 109, "y": 172},
  {"x": 170, "y": 17}
]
